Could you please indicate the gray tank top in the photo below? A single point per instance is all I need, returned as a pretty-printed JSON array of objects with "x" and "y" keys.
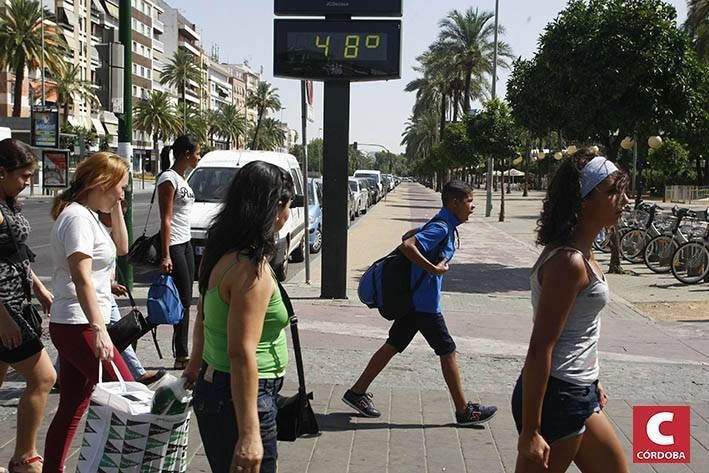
[{"x": 575, "y": 355}]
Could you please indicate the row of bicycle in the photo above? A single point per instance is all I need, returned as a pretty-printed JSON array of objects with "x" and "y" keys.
[{"x": 674, "y": 241}]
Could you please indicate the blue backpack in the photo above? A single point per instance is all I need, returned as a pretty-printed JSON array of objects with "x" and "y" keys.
[
  {"x": 386, "y": 285},
  {"x": 164, "y": 306}
]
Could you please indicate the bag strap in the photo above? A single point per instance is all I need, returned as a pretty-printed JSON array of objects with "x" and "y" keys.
[
  {"x": 152, "y": 199},
  {"x": 294, "y": 335},
  {"x": 25, "y": 283},
  {"x": 437, "y": 249},
  {"x": 130, "y": 296},
  {"x": 153, "y": 327}
]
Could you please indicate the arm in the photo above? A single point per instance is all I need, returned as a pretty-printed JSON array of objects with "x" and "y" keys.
[
  {"x": 166, "y": 195},
  {"x": 195, "y": 364},
  {"x": 410, "y": 248},
  {"x": 564, "y": 276},
  {"x": 10, "y": 334},
  {"x": 80, "y": 270},
  {"x": 43, "y": 295},
  {"x": 248, "y": 302},
  {"x": 119, "y": 232}
]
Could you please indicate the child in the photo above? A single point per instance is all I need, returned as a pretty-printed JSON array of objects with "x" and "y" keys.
[{"x": 426, "y": 317}]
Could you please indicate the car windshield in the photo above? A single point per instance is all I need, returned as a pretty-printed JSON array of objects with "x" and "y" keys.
[
  {"x": 311, "y": 194},
  {"x": 353, "y": 186},
  {"x": 210, "y": 184},
  {"x": 367, "y": 174}
]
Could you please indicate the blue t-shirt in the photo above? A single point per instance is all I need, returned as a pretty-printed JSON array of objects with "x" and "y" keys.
[{"x": 428, "y": 296}]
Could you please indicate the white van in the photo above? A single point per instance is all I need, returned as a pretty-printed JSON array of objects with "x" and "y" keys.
[
  {"x": 371, "y": 173},
  {"x": 211, "y": 179}
]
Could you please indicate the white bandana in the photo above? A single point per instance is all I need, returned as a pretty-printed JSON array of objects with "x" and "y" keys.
[{"x": 595, "y": 171}]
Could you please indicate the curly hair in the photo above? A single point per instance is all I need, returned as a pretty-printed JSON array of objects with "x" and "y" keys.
[{"x": 561, "y": 210}]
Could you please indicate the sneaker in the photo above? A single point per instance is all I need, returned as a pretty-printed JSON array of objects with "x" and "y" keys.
[
  {"x": 362, "y": 403},
  {"x": 475, "y": 414}
]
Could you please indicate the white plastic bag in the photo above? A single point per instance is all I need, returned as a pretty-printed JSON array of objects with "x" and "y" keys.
[{"x": 122, "y": 436}]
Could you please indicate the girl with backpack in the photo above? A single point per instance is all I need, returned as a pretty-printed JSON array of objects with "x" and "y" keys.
[{"x": 558, "y": 400}]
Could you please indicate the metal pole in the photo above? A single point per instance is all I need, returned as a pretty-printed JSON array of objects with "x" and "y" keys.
[
  {"x": 125, "y": 125},
  {"x": 41, "y": 6},
  {"x": 490, "y": 163},
  {"x": 304, "y": 130},
  {"x": 635, "y": 161},
  {"x": 335, "y": 188}
]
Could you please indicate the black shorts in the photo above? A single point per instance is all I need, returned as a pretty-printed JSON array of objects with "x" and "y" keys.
[
  {"x": 21, "y": 353},
  {"x": 432, "y": 327},
  {"x": 565, "y": 408}
]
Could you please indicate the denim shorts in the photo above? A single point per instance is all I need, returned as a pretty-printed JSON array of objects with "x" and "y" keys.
[
  {"x": 432, "y": 327},
  {"x": 216, "y": 419},
  {"x": 564, "y": 411}
]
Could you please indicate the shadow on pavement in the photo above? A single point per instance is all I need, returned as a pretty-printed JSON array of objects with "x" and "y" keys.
[
  {"x": 342, "y": 422},
  {"x": 437, "y": 207},
  {"x": 486, "y": 278}
]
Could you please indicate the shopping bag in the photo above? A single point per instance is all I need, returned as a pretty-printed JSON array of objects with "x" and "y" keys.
[{"x": 122, "y": 436}]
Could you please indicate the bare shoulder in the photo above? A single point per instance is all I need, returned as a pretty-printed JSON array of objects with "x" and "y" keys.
[
  {"x": 245, "y": 276},
  {"x": 564, "y": 266}
]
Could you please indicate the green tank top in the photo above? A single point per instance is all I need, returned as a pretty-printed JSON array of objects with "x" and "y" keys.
[{"x": 272, "y": 350}]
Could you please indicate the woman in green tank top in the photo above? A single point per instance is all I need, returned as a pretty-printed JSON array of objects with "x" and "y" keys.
[{"x": 239, "y": 353}]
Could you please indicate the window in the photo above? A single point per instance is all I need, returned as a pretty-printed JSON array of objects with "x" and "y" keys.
[{"x": 135, "y": 91}]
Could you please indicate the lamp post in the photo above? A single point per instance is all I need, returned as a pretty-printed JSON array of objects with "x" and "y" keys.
[
  {"x": 41, "y": 7},
  {"x": 490, "y": 164}
]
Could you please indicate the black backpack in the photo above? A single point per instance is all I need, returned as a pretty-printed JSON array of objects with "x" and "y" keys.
[{"x": 386, "y": 285}]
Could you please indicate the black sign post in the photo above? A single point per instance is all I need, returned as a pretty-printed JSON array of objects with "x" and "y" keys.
[{"x": 337, "y": 50}]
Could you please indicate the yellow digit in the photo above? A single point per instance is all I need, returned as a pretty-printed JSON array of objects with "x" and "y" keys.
[
  {"x": 372, "y": 41},
  {"x": 325, "y": 46},
  {"x": 352, "y": 46}
]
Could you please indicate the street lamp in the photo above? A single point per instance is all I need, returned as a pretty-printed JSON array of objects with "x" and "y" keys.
[
  {"x": 654, "y": 142},
  {"x": 490, "y": 164}
]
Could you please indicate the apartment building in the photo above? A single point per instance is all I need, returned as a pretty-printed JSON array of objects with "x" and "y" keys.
[{"x": 245, "y": 82}]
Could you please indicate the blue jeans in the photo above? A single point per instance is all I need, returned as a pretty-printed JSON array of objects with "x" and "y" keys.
[
  {"x": 128, "y": 355},
  {"x": 216, "y": 419}
]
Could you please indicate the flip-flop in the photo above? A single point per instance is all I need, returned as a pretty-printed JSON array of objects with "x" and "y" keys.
[{"x": 27, "y": 461}]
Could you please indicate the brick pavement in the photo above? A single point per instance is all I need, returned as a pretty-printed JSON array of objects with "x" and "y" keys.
[{"x": 487, "y": 307}]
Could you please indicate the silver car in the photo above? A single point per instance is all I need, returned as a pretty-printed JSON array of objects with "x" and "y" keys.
[{"x": 361, "y": 196}]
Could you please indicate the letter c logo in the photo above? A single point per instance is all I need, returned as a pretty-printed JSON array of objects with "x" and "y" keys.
[{"x": 653, "y": 428}]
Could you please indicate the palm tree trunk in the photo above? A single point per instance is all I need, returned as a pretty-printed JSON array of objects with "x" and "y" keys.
[
  {"x": 443, "y": 117},
  {"x": 466, "y": 91},
  {"x": 19, "y": 79},
  {"x": 184, "y": 108},
  {"x": 502, "y": 192},
  {"x": 256, "y": 131},
  {"x": 155, "y": 157},
  {"x": 65, "y": 108}
]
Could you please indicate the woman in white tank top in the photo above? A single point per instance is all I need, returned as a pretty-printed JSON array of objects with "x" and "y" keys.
[{"x": 557, "y": 400}]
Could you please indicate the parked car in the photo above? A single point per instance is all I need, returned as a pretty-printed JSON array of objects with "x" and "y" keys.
[
  {"x": 360, "y": 196},
  {"x": 366, "y": 194},
  {"x": 351, "y": 204},
  {"x": 211, "y": 179},
  {"x": 374, "y": 193},
  {"x": 391, "y": 180},
  {"x": 377, "y": 175},
  {"x": 315, "y": 215},
  {"x": 387, "y": 183}
]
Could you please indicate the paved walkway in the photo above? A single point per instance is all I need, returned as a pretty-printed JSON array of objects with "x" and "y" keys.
[{"x": 488, "y": 312}]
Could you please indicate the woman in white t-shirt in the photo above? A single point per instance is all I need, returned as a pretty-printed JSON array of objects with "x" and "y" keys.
[
  {"x": 175, "y": 199},
  {"x": 84, "y": 254}
]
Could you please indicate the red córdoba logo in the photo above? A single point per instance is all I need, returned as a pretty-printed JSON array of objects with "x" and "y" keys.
[{"x": 661, "y": 434}]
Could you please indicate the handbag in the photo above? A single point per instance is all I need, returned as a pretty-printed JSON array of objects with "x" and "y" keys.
[
  {"x": 131, "y": 327},
  {"x": 146, "y": 249},
  {"x": 29, "y": 312},
  {"x": 295, "y": 416}
]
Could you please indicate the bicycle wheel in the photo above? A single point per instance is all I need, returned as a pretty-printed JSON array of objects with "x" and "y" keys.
[
  {"x": 632, "y": 244},
  {"x": 602, "y": 242},
  {"x": 690, "y": 263},
  {"x": 658, "y": 253}
]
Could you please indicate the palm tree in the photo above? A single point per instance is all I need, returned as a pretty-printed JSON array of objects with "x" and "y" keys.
[
  {"x": 469, "y": 38},
  {"x": 272, "y": 134},
  {"x": 69, "y": 85},
  {"x": 420, "y": 136},
  {"x": 181, "y": 69},
  {"x": 231, "y": 125},
  {"x": 697, "y": 25},
  {"x": 264, "y": 100},
  {"x": 156, "y": 115},
  {"x": 21, "y": 44}
]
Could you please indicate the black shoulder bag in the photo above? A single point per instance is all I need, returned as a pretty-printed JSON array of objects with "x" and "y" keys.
[
  {"x": 295, "y": 414},
  {"x": 29, "y": 311},
  {"x": 146, "y": 249}
]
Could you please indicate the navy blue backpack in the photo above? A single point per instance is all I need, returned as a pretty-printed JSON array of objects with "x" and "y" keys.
[
  {"x": 164, "y": 305},
  {"x": 386, "y": 285}
]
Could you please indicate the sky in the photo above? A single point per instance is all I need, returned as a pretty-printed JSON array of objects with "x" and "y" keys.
[{"x": 243, "y": 30}]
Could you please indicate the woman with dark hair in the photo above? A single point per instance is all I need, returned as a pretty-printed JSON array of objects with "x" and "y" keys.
[
  {"x": 20, "y": 344},
  {"x": 165, "y": 158},
  {"x": 557, "y": 401},
  {"x": 175, "y": 199},
  {"x": 239, "y": 347}
]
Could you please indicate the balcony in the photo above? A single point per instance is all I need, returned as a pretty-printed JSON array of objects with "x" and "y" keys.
[
  {"x": 158, "y": 46},
  {"x": 190, "y": 47},
  {"x": 188, "y": 30},
  {"x": 158, "y": 25}
]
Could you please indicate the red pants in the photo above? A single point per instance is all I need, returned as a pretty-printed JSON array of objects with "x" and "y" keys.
[{"x": 78, "y": 374}]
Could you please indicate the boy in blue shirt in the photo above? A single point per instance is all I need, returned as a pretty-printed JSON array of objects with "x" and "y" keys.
[{"x": 419, "y": 247}]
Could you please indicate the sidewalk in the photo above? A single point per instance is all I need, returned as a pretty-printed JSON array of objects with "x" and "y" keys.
[{"x": 486, "y": 304}]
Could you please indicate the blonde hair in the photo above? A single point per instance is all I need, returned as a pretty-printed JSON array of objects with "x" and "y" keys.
[{"x": 103, "y": 170}]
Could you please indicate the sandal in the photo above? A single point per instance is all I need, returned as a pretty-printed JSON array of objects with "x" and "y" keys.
[
  {"x": 181, "y": 363},
  {"x": 12, "y": 467}
]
